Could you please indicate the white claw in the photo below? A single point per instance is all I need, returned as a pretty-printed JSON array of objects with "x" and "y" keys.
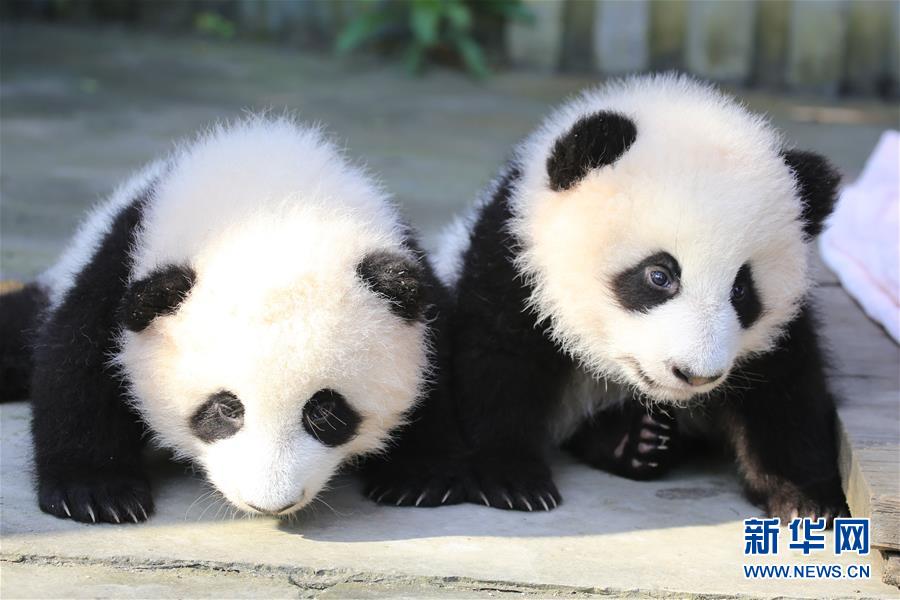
[
  {"x": 662, "y": 446},
  {"x": 115, "y": 515},
  {"x": 383, "y": 494},
  {"x": 445, "y": 496},
  {"x": 663, "y": 425},
  {"x": 421, "y": 497},
  {"x": 144, "y": 512},
  {"x": 636, "y": 464},
  {"x": 402, "y": 498},
  {"x": 91, "y": 512},
  {"x": 507, "y": 500},
  {"x": 66, "y": 508},
  {"x": 544, "y": 502},
  {"x": 484, "y": 498},
  {"x": 526, "y": 502},
  {"x": 132, "y": 515},
  {"x": 553, "y": 500},
  {"x": 653, "y": 464},
  {"x": 373, "y": 492}
]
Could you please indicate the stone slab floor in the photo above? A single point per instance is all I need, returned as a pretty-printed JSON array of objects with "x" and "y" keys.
[{"x": 79, "y": 109}]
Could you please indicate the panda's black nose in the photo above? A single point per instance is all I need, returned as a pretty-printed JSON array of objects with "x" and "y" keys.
[{"x": 692, "y": 379}]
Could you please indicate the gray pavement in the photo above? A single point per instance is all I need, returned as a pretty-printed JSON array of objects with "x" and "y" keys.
[
  {"x": 681, "y": 535},
  {"x": 81, "y": 109}
]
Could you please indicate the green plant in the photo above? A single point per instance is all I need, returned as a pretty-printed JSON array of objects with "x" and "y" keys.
[
  {"x": 214, "y": 25},
  {"x": 428, "y": 30}
]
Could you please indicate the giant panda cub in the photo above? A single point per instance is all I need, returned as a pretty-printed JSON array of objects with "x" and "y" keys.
[
  {"x": 253, "y": 303},
  {"x": 639, "y": 271}
]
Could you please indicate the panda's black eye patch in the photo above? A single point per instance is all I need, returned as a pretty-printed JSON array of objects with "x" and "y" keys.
[
  {"x": 649, "y": 283},
  {"x": 744, "y": 298},
  {"x": 329, "y": 418},
  {"x": 220, "y": 417}
]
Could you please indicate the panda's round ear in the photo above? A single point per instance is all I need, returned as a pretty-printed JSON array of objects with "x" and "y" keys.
[
  {"x": 817, "y": 185},
  {"x": 593, "y": 141},
  {"x": 157, "y": 294},
  {"x": 396, "y": 278}
]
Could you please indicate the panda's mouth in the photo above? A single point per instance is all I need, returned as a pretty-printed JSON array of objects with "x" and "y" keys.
[
  {"x": 644, "y": 377},
  {"x": 651, "y": 386},
  {"x": 284, "y": 510}
]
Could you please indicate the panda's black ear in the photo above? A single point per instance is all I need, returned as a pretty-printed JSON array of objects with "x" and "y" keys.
[
  {"x": 817, "y": 184},
  {"x": 157, "y": 294},
  {"x": 594, "y": 141},
  {"x": 397, "y": 279}
]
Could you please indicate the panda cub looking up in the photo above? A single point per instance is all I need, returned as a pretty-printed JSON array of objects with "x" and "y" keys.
[
  {"x": 648, "y": 242},
  {"x": 255, "y": 299}
]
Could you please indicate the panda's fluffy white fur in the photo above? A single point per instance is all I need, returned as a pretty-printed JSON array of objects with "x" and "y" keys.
[
  {"x": 646, "y": 245},
  {"x": 259, "y": 269}
]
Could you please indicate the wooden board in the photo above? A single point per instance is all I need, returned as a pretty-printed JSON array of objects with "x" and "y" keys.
[{"x": 866, "y": 378}]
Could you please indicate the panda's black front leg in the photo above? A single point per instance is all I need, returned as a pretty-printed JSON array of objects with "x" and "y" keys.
[
  {"x": 628, "y": 440},
  {"x": 783, "y": 429},
  {"x": 87, "y": 442},
  {"x": 507, "y": 382},
  {"x": 507, "y": 375}
]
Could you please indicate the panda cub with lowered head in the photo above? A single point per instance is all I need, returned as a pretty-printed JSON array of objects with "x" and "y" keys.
[
  {"x": 646, "y": 247},
  {"x": 253, "y": 303}
]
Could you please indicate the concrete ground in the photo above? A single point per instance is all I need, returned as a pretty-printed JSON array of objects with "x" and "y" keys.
[{"x": 80, "y": 109}]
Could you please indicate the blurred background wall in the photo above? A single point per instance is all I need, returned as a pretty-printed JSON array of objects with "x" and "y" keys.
[{"x": 833, "y": 47}]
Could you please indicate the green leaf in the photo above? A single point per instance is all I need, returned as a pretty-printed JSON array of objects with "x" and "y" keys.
[
  {"x": 459, "y": 15},
  {"x": 214, "y": 24},
  {"x": 472, "y": 56},
  {"x": 424, "y": 19}
]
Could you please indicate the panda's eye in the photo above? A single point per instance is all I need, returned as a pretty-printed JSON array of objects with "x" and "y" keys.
[
  {"x": 738, "y": 291},
  {"x": 329, "y": 418},
  {"x": 660, "y": 277},
  {"x": 220, "y": 417}
]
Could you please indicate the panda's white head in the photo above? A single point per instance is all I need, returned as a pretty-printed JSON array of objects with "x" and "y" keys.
[
  {"x": 664, "y": 229},
  {"x": 274, "y": 323}
]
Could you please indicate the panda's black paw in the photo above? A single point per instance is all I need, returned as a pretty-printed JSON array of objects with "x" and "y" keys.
[
  {"x": 788, "y": 502},
  {"x": 628, "y": 441},
  {"x": 648, "y": 450},
  {"x": 113, "y": 499},
  {"x": 513, "y": 484},
  {"x": 416, "y": 482}
]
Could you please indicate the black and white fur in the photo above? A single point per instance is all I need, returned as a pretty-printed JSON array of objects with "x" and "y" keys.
[
  {"x": 646, "y": 246},
  {"x": 253, "y": 303}
]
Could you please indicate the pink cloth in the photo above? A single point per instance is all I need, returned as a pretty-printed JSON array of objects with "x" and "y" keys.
[{"x": 862, "y": 241}]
